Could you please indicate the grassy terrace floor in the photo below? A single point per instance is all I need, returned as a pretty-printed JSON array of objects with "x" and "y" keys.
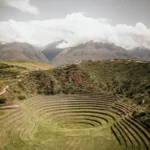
[{"x": 72, "y": 122}]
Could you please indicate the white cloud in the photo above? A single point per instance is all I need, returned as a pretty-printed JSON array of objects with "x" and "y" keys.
[
  {"x": 23, "y": 5},
  {"x": 75, "y": 29}
]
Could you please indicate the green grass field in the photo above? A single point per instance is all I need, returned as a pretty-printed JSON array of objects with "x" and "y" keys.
[
  {"x": 29, "y": 65},
  {"x": 73, "y": 122}
]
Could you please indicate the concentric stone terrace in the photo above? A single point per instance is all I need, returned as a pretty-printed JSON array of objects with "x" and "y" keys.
[{"x": 73, "y": 122}]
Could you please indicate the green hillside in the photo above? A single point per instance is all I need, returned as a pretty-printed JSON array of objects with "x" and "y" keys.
[{"x": 126, "y": 79}]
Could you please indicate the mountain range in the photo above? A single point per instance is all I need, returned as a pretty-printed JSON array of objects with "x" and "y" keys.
[
  {"x": 90, "y": 51},
  {"x": 61, "y": 56}
]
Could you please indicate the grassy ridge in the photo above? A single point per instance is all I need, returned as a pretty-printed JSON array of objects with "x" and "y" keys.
[
  {"x": 126, "y": 78},
  {"x": 29, "y": 65}
]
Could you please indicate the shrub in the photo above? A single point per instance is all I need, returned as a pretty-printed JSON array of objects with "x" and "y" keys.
[
  {"x": 147, "y": 123},
  {"x": 21, "y": 97},
  {"x": 138, "y": 115},
  {"x": 3, "y": 100}
]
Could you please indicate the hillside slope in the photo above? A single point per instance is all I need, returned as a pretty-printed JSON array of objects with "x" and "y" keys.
[
  {"x": 22, "y": 51},
  {"x": 14, "y": 71},
  {"x": 130, "y": 80},
  {"x": 140, "y": 53}
]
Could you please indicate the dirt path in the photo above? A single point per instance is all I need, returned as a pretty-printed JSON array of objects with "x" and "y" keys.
[
  {"x": 5, "y": 89},
  {"x": 13, "y": 106}
]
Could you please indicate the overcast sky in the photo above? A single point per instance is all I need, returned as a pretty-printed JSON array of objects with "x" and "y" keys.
[
  {"x": 119, "y": 11},
  {"x": 125, "y": 23}
]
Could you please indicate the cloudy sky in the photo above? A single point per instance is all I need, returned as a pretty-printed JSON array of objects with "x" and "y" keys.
[{"x": 125, "y": 23}]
